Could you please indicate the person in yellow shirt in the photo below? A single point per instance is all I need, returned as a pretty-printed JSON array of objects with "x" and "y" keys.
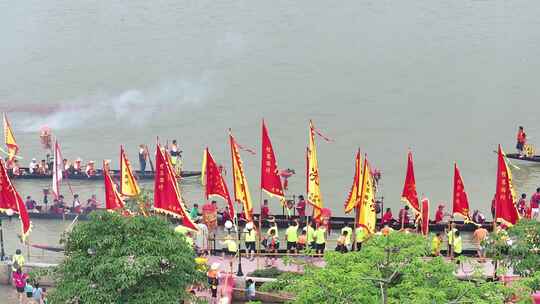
[
  {"x": 320, "y": 241},
  {"x": 229, "y": 245},
  {"x": 457, "y": 245},
  {"x": 348, "y": 237},
  {"x": 341, "y": 241},
  {"x": 436, "y": 244},
  {"x": 250, "y": 238},
  {"x": 450, "y": 237},
  {"x": 18, "y": 260},
  {"x": 292, "y": 236},
  {"x": 310, "y": 235},
  {"x": 361, "y": 236}
]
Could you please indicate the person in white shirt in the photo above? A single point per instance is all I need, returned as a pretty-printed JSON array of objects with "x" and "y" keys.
[{"x": 32, "y": 167}]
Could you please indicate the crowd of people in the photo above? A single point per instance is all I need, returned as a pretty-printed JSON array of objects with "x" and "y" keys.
[
  {"x": 28, "y": 291},
  {"x": 60, "y": 206}
]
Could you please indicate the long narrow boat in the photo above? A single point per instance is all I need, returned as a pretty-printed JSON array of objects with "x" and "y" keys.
[
  {"x": 534, "y": 158},
  {"x": 146, "y": 175},
  {"x": 282, "y": 221}
]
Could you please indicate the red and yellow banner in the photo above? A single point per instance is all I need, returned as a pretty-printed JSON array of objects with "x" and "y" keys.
[
  {"x": 128, "y": 183},
  {"x": 270, "y": 179},
  {"x": 425, "y": 216},
  {"x": 314, "y": 196},
  {"x": 367, "y": 217},
  {"x": 113, "y": 198},
  {"x": 10, "y": 199},
  {"x": 460, "y": 199},
  {"x": 167, "y": 198},
  {"x": 214, "y": 183},
  {"x": 505, "y": 197},
  {"x": 354, "y": 194},
  {"x": 409, "y": 195},
  {"x": 9, "y": 139},
  {"x": 241, "y": 188}
]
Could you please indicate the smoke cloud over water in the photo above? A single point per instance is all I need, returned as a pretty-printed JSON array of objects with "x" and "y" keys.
[{"x": 133, "y": 107}]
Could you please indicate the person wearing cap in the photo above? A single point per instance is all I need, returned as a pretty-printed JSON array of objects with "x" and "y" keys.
[
  {"x": 250, "y": 237},
  {"x": 33, "y": 166},
  {"x": 90, "y": 169},
  {"x": 439, "y": 215},
  {"x": 273, "y": 227},
  {"x": 77, "y": 165},
  {"x": 213, "y": 281}
]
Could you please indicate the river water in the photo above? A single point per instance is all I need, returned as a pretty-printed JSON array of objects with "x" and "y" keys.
[{"x": 448, "y": 79}]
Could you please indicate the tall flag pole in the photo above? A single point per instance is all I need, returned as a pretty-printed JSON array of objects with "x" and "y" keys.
[
  {"x": 241, "y": 188},
  {"x": 113, "y": 198},
  {"x": 354, "y": 194},
  {"x": 425, "y": 216},
  {"x": 460, "y": 204},
  {"x": 128, "y": 183},
  {"x": 505, "y": 197},
  {"x": 409, "y": 194},
  {"x": 58, "y": 170},
  {"x": 214, "y": 183},
  {"x": 167, "y": 198},
  {"x": 9, "y": 139},
  {"x": 314, "y": 196},
  {"x": 368, "y": 216},
  {"x": 270, "y": 180},
  {"x": 11, "y": 199}
]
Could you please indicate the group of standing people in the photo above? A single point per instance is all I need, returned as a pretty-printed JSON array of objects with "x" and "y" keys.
[{"x": 27, "y": 290}]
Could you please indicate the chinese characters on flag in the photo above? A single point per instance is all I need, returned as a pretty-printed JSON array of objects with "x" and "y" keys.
[
  {"x": 409, "y": 194},
  {"x": 460, "y": 199},
  {"x": 270, "y": 179},
  {"x": 167, "y": 198},
  {"x": 113, "y": 199},
  {"x": 214, "y": 183},
  {"x": 505, "y": 209},
  {"x": 10, "y": 199}
]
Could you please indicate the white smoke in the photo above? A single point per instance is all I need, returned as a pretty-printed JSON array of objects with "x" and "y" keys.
[{"x": 134, "y": 107}]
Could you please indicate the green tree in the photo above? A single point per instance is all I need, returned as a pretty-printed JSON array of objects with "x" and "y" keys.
[
  {"x": 116, "y": 259},
  {"x": 389, "y": 269},
  {"x": 518, "y": 247}
]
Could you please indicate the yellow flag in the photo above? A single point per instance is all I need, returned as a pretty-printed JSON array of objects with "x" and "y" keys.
[
  {"x": 241, "y": 189},
  {"x": 313, "y": 179},
  {"x": 367, "y": 217},
  {"x": 9, "y": 139},
  {"x": 128, "y": 183},
  {"x": 203, "y": 168},
  {"x": 354, "y": 194}
]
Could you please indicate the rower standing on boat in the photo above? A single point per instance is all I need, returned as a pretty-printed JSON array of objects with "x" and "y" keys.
[
  {"x": 142, "y": 158},
  {"x": 521, "y": 141}
]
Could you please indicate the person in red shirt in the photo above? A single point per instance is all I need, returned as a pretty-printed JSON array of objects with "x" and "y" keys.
[
  {"x": 301, "y": 206},
  {"x": 439, "y": 215},
  {"x": 404, "y": 216},
  {"x": 535, "y": 200},
  {"x": 522, "y": 205},
  {"x": 521, "y": 141},
  {"x": 387, "y": 218},
  {"x": 265, "y": 211}
]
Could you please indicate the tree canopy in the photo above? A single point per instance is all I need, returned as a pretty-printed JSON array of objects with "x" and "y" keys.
[
  {"x": 116, "y": 259},
  {"x": 394, "y": 268}
]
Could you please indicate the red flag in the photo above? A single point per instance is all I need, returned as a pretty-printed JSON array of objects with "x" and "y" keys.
[
  {"x": 10, "y": 199},
  {"x": 505, "y": 209},
  {"x": 113, "y": 199},
  {"x": 215, "y": 185},
  {"x": 270, "y": 180},
  {"x": 425, "y": 216},
  {"x": 167, "y": 197},
  {"x": 409, "y": 194},
  {"x": 461, "y": 202}
]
